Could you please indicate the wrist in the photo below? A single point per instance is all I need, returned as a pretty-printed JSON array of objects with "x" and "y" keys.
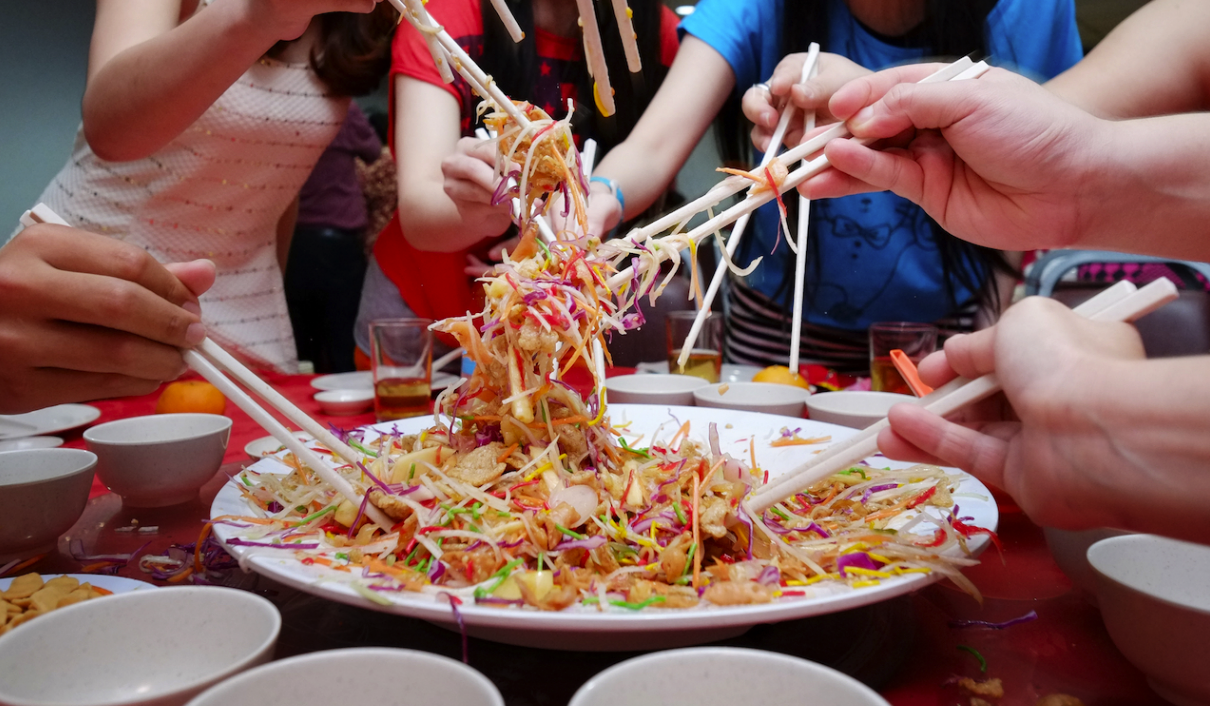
[{"x": 603, "y": 186}]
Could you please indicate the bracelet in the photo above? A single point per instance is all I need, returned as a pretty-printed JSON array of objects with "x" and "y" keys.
[{"x": 616, "y": 189}]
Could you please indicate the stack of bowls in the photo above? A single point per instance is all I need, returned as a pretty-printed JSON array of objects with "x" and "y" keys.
[{"x": 42, "y": 494}]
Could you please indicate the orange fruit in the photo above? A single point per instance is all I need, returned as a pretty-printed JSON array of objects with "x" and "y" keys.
[
  {"x": 191, "y": 396},
  {"x": 781, "y": 375}
]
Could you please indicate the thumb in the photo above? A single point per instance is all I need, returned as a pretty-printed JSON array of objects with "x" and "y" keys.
[{"x": 198, "y": 275}]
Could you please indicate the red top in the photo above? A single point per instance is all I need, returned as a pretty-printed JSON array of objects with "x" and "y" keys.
[{"x": 439, "y": 289}]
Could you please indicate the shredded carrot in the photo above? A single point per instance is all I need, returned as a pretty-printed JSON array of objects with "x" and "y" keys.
[
  {"x": 799, "y": 442},
  {"x": 240, "y": 518},
  {"x": 752, "y": 450},
  {"x": 27, "y": 562},
  {"x": 672, "y": 443},
  {"x": 182, "y": 576},
  {"x": 102, "y": 591},
  {"x": 507, "y": 452}
]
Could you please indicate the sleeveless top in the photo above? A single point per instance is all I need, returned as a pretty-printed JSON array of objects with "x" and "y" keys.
[{"x": 217, "y": 191}]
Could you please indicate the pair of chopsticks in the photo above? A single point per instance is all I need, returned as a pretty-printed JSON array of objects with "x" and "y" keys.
[
  {"x": 741, "y": 224},
  {"x": 1121, "y": 302},
  {"x": 210, "y": 360}
]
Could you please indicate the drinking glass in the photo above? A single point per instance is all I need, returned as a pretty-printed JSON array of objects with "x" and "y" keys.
[
  {"x": 401, "y": 352},
  {"x": 706, "y": 357},
  {"x": 915, "y": 340}
]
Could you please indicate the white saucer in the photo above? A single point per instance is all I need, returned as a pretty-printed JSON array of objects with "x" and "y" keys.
[
  {"x": 114, "y": 584},
  {"x": 730, "y": 372},
  {"x": 267, "y": 445},
  {"x": 31, "y": 442},
  {"x": 47, "y": 421},
  {"x": 364, "y": 380}
]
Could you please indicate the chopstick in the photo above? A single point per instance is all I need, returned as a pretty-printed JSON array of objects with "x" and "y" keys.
[
  {"x": 201, "y": 359},
  {"x": 741, "y": 224},
  {"x": 962, "y": 69},
  {"x": 804, "y": 223},
  {"x": 1120, "y": 302}
]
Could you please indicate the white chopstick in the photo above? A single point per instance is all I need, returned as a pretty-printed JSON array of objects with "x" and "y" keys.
[
  {"x": 741, "y": 224},
  {"x": 804, "y": 223},
  {"x": 200, "y": 360},
  {"x": 1118, "y": 303}
]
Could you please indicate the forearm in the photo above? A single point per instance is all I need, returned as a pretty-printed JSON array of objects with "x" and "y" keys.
[
  {"x": 144, "y": 96},
  {"x": 432, "y": 222},
  {"x": 1148, "y": 188},
  {"x": 1153, "y": 417}
]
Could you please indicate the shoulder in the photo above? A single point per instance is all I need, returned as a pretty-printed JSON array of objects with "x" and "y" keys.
[{"x": 747, "y": 34}]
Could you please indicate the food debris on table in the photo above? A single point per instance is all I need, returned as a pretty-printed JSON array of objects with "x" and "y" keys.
[{"x": 29, "y": 596}]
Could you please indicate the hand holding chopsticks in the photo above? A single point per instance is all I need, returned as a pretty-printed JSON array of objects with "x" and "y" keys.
[{"x": 1120, "y": 302}]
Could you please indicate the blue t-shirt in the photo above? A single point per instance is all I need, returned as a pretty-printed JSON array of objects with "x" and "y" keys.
[{"x": 878, "y": 260}]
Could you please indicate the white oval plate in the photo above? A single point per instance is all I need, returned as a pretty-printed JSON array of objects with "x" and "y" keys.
[
  {"x": 584, "y": 627},
  {"x": 115, "y": 584},
  {"x": 31, "y": 442},
  {"x": 364, "y": 380},
  {"x": 47, "y": 421}
]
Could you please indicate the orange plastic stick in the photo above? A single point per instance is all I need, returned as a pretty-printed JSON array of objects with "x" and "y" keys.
[{"x": 907, "y": 369}]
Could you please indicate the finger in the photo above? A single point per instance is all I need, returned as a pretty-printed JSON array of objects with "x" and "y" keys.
[
  {"x": 74, "y": 250},
  {"x": 892, "y": 445},
  {"x": 197, "y": 276},
  {"x": 787, "y": 73},
  {"x": 758, "y": 108},
  {"x": 497, "y": 251},
  {"x": 887, "y": 170},
  {"x": 111, "y": 303},
  {"x": 482, "y": 150},
  {"x": 470, "y": 194},
  {"x": 460, "y": 167},
  {"x": 831, "y": 184},
  {"x": 972, "y": 355},
  {"x": 981, "y": 455},
  {"x": 854, "y": 95},
  {"x": 935, "y": 369},
  {"x": 96, "y": 349}
]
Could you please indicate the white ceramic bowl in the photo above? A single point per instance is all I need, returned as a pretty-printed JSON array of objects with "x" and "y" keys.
[
  {"x": 341, "y": 402},
  {"x": 42, "y": 494},
  {"x": 653, "y": 389},
  {"x": 766, "y": 397},
  {"x": 159, "y": 460},
  {"x": 143, "y": 648},
  {"x": 1069, "y": 548},
  {"x": 372, "y": 675},
  {"x": 722, "y": 676},
  {"x": 1154, "y": 595},
  {"x": 857, "y": 409}
]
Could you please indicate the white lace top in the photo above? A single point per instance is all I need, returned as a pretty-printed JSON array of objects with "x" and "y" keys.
[{"x": 217, "y": 191}]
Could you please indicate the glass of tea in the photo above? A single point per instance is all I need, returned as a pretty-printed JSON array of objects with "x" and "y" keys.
[
  {"x": 401, "y": 352},
  {"x": 915, "y": 340},
  {"x": 706, "y": 357}
]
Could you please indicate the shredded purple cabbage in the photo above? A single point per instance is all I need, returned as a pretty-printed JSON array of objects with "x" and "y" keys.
[
  {"x": 857, "y": 560},
  {"x": 245, "y": 543},
  {"x": 590, "y": 543},
  {"x": 1031, "y": 615}
]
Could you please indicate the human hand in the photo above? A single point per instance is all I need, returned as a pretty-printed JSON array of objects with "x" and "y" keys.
[
  {"x": 764, "y": 108},
  {"x": 997, "y": 161},
  {"x": 470, "y": 181},
  {"x": 289, "y": 18},
  {"x": 86, "y": 317},
  {"x": 1041, "y": 440}
]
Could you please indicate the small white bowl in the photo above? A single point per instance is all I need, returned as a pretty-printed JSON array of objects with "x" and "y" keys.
[
  {"x": 31, "y": 442},
  {"x": 42, "y": 494},
  {"x": 857, "y": 409},
  {"x": 1154, "y": 595},
  {"x": 345, "y": 402},
  {"x": 1069, "y": 548},
  {"x": 771, "y": 398},
  {"x": 371, "y": 675},
  {"x": 721, "y": 676},
  {"x": 653, "y": 389},
  {"x": 161, "y": 459},
  {"x": 143, "y": 648}
]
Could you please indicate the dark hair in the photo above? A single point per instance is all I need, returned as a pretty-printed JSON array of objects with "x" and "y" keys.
[
  {"x": 515, "y": 66},
  {"x": 951, "y": 29},
  {"x": 354, "y": 49}
]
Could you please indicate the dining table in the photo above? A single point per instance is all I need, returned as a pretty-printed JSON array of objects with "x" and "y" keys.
[{"x": 912, "y": 649}]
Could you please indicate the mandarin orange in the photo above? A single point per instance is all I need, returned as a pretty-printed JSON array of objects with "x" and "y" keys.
[
  {"x": 191, "y": 396},
  {"x": 781, "y": 375}
]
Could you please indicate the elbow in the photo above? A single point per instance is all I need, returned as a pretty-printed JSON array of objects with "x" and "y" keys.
[{"x": 111, "y": 140}]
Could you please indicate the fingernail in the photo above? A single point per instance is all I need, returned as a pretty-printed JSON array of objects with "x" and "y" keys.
[
  {"x": 193, "y": 308},
  {"x": 195, "y": 334},
  {"x": 862, "y": 117}
]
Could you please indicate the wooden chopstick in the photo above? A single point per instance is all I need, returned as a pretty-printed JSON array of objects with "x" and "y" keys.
[
  {"x": 1118, "y": 303},
  {"x": 741, "y": 224},
  {"x": 959, "y": 70}
]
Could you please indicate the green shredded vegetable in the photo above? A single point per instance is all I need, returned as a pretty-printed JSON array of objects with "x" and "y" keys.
[
  {"x": 370, "y": 595},
  {"x": 355, "y": 444},
  {"x": 569, "y": 533},
  {"x": 638, "y": 606},
  {"x": 972, "y": 650}
]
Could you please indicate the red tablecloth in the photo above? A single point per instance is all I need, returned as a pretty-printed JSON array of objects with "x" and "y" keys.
[{"x": 1066, "y": 650}]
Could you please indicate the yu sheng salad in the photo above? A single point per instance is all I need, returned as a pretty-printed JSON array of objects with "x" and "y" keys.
[{"x": 522, "y": 494}]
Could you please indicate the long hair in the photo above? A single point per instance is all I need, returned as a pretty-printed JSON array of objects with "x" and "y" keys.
[
  {"x": 514, "y": 65},
  {"x": 951, "y": 29},
  {"x": 354, "y": 50}
]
